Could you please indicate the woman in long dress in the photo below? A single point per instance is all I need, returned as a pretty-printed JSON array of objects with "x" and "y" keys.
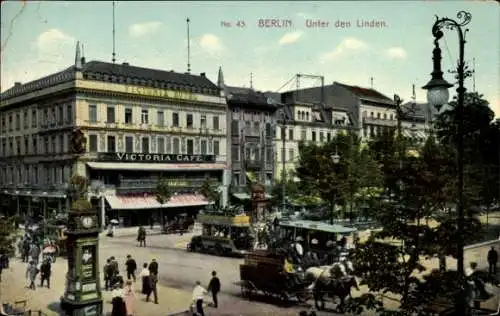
[
  {"x": 146, "y": 279},
  {"x": 119, "y": 308},
  {"x": 129, "y": 298}
]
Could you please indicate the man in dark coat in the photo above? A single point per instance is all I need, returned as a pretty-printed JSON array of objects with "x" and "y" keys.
[
  {"x": 45, "y": 271},
  {"x": 492, "y": 261},
  {"x": 154, "y": 281},
  {"x": 153, "y": 267},
  {"x": 214, "y": 287},
  {"x": 131, "y": 267},
  {"x": 26, "y": 249},
  {"x": 108, "y": 274},
  {"x": 141, "y": 236}
]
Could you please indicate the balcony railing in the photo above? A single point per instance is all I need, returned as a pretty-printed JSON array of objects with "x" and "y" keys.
[{"x": 378, "y": 121}]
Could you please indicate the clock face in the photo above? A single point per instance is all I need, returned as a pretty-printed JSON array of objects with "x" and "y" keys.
[{"x": 87, "y": 222}]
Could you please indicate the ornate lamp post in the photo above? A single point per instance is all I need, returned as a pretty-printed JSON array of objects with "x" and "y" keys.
[
  {"x": 335, "y": 159},
  {"x": 438, "y": 95}
]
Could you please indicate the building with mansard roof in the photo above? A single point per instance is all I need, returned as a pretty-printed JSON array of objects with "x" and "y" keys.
[
  {"x": 119, "y": 125},
  {"x": 252, "y": 124}
]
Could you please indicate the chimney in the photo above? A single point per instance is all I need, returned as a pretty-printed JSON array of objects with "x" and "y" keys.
[
  {"x": 17, "y": 84},
  {"x": 203, "y": 75},
  {"x": 126, "y": 64}
]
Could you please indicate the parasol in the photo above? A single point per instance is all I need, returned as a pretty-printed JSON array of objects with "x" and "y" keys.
[
  {"x": 114, "y": 222},
  {"x": 49, "y": 249}
]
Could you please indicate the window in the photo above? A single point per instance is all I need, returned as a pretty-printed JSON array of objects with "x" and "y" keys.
[
  {"x": 189, "y": 120},
  {"x": 35, "y": 144},
  {"x": 328, "y": 136},
  {"x": 203, "y": 147},
  {"x": 129, "y": 144},
  {"x": 378, "y": 115},
  {"x": 144, "y": 116},
  {"x": 385, "y": 116},
  {"x": 33, "y": 118},
  {"x": 175, "y": 146},
  {"x": 307, "y": 116},
  {"x": 291, "y": 155},
  {"x": 235, "y": 154},
  {"x": 92, "y": 143},
  {"x": 111, "y": 144},
  {"x": 235, "y": 127},
  {"x": 392, "y": 117},
  {"x": 216, "y": 148},
  {"x": 236, "y": 179},
  {"x": 303, "y": 134},
  {"x": 247, "y": 128},
  {"x": 60, "y": 118},
  {"x": 321, "y": 136},
  {"x": 53, "y": 116},
  {"x": 18, "y": 122},
  {"x": 69, "y": 113},
  {"x": 92, "y": 113},
  {"x": 256, "y": 128},
  {"x": 145, "y": 144},
  {"x": 313, "y": 136},
  {"x": 160, "y": 118},
  {"x": 11, "y": 126},
  {"x": 175, "y": 120},
  {"x": 53, "y": 145},
  {"x": 128, "y": 116},
  {"x": 215, "y": 122},
  {"x": 110, "y": 114},
  {"x": 268, "y": 130},
  {"x": 371, "y": 114},
  {"x": 203, "y": 121},
  {"x": 18, "y": 147},
  {"x": 365, "y": 130},
  {"x": 290, "y": 134},
  {"x": 26, "y": 146},
  {"x": 190, "y": 147},
  {"x": 61, "y": 143},
  {"x": 35, "y": 174},
  {"x": 161, "y": 144},
  {"x": 25, "y": 119}
]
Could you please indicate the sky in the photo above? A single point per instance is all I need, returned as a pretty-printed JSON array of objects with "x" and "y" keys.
[{"x": 39, "y": 38}]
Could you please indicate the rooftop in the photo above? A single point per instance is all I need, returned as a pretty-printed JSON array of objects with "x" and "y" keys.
[{"x": 365, "y": 92}]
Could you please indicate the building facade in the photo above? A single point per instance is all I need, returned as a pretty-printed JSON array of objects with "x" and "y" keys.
[
  {"x": 252, "y": 126},
  {"x": 135, "y": 125}
]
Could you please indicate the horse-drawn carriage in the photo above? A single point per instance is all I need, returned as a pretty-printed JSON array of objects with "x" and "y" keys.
[{"x": 271, "y": 274}]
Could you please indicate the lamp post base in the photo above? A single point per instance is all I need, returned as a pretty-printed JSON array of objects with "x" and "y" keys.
[{"x": 82, "y": 308}]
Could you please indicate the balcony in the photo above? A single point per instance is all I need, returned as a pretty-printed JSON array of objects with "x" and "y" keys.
[
  {"x": 253, "y": 164},
  {"x": 149, "y": 185},
  {"x": 378, "y": 121}
]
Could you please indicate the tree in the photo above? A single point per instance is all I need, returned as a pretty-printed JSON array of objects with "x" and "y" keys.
[
  {"x": 7, "y": 235},
  {"x": 209, "y": 189},
  {"x": 163, "y": 190},
  {"x": 291, "y": 190},
  {"x": 336, "y": 182}
]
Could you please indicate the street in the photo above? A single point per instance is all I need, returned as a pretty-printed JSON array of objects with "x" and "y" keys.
[{"x": 180, "y": 269}]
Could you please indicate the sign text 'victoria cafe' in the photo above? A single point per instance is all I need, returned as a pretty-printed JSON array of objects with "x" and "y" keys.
[{"x": 155, "y": 158}]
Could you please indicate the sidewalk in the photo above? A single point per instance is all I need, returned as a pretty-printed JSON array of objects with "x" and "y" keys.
[{"x": 13, "y": 288}]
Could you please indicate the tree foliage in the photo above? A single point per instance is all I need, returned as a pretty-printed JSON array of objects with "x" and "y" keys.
[
  {"x": 210, "y": 190},
  {"x": 163, "y": 190},
  {"x": 336, "y": 182},
  {"x": 292, "y": 191},
  {"x": 7, "y": 235}
]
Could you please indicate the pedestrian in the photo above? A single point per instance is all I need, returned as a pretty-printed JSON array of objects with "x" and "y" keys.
[
  {"x": 31, "y": 273},
  {"x": 114, "y": 265},
  {"x": 129, "y": 298},
  {"x": 111, "y": 231},
  {"x": 119, "y": 307},
  {"x": 492, "y": 261},
  {"x": 34, "y": 253},
  {"x": 4, "y": 262},
  {"x": 153, "y": 280},
  {"x": 141, "y": 236},
  {"x": 144, "y": 275},
  {"x": 198, "y": 294},
  {"x": 45, "y": 272},
  {"x": 131, "y": 267},
  {"x": 153, "y": 267},
  {"x": 108, "y": 274},
  {"x": 214, "y": 287},
  {"x": 26, "y": 249}
]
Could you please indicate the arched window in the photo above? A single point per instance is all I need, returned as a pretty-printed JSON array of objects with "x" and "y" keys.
[{"x": 307, "y": 116}]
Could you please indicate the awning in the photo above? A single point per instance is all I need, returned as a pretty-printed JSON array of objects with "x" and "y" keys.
[
  {"x": 407, "y": 134},
  {"x": 149, "y": 202},
  {"x": 155, "y": 166},
  {"x": 246, "y": 196}
]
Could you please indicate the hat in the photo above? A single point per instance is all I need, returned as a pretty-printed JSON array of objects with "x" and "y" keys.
[{"x": 314, "y": 241}]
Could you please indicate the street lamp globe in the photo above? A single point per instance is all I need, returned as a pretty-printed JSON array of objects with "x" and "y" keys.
[
  {"x": 335, "y": 158},
  {"x": 438, "y": 96}
]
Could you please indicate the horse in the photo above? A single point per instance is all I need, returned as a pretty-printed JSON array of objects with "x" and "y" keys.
[
  {"x": 340, "y": 288},
  {"x": 333, "y": 280}
]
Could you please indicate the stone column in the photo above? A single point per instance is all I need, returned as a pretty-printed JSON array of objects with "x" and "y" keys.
[{"x": 103, "y": 212}]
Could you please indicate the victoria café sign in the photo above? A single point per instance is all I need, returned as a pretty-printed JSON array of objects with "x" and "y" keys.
[{"x": 154, "y": 158}]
